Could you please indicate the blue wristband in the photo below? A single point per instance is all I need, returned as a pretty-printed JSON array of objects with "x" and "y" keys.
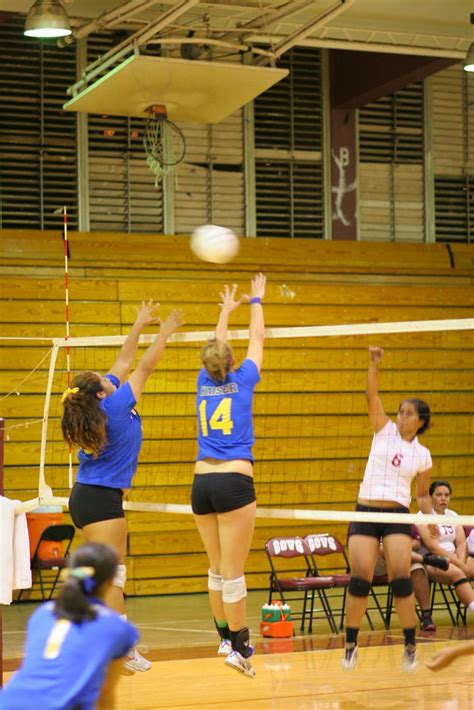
[{"x": 257, "y": 299}]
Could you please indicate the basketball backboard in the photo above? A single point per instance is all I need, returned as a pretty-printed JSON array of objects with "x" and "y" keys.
[{"x": 195, "y": 91}]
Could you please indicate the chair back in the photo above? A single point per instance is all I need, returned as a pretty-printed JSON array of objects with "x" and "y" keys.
[
  {"x": 323, "y": 544},
  {"x": 286, "y": 547}
]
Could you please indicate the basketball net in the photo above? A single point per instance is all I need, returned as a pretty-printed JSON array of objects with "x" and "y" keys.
[{"x": 164, "y": 143}]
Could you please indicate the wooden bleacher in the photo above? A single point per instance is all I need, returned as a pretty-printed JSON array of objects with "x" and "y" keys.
[{"x": 309, "y": 283}]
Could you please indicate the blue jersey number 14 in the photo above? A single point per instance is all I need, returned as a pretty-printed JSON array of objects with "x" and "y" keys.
[{"x": 221, "y": 418}]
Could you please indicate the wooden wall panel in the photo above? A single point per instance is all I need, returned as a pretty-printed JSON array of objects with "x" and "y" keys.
[{"x": 311, "y": 427}]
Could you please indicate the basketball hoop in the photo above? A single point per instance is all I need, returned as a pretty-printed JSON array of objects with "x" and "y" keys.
[{"x": 164, "y": 143}]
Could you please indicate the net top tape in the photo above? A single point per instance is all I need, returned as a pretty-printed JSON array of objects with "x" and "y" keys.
[
  {"x": 296, "y": 332},
  {"x": 295, "y": 514}
]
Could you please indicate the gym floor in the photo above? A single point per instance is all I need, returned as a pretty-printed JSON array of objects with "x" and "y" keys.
[{"x": 177, "y": 633}]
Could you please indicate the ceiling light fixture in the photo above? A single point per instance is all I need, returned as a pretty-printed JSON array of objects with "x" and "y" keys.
[
  {"x": 47, "y": 18},
  {"x": 469, "y": 61}
]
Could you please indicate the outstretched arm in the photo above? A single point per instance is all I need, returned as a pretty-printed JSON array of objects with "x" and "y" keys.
[
  {"x": 152, "y": 355},
  {"x": 448, "y": 655},
  {"x": 376, "y": 412},
  {"x": 256, "y": 327},
  {"x": 228, "y": 305},
  {"x": 146, "y": 315}
]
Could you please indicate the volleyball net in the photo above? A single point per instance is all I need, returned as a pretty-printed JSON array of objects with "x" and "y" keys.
[{"x": 312, "y": 433}]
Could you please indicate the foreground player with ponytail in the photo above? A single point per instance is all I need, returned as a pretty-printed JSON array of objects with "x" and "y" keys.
[
  {"x": 396, "y": 457},
  {"x": 223, "y": 495},
  {"x": 74, "y": 645},
  {"x": 99, "y": 416}
]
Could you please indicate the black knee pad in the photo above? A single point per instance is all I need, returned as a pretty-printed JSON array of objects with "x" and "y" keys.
[
  {"x": 359, "y": 587},
  {"x": 460, "y": 581},
  {"x": 401, "y": 586},
  {"x": 241, "y": 642}
]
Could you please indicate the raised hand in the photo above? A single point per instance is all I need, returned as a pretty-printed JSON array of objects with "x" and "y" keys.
[
  {"x": 172, "y": 322},
  {"x": 257, "y": 286},
  {"x": 376, "y": 354},
  {"x": 228, "y": 300},
  {"x": 147, "y": 314}
]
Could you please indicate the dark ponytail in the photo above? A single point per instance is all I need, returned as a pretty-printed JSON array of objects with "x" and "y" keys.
[
  {"x": 83, "y": 421},
  {"x": 90, "y": 566}
]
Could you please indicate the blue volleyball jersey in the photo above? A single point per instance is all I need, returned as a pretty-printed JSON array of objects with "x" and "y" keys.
[
  {"x": 65, "y": 663},
  {"x": 225, "y": 414},
  {"x": 116, "y": 464}
]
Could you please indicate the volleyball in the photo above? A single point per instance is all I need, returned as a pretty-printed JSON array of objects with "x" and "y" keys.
[{"x": 218, "y": 245}]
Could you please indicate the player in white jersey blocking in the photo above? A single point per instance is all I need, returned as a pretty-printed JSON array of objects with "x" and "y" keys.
[
  {"x": 450, "y": 542},
  {"x": 395, "y": 459}
]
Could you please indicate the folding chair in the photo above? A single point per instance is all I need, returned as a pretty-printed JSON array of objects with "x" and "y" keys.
[
  {"x": 40, "y": 564},
  {"x": 449, "y": 600},
  {"x": 288, "y": 550},
  {"x": 323, "y": 544}
]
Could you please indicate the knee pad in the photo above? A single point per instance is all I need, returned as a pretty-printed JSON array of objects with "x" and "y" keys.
[
  {"x": 214, "y": 581},
  {"x": 401, "y": 586},
  {"x": 464, "y": 580},
  {"x": 359, "y": 587},
  {"x": 120, "y": 577},
  {"x": 233, "y": 590}
]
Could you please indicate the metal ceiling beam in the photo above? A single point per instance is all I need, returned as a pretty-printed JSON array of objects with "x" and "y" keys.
[
  {"x": 300, "y": 34},
  {"x": 107, "y": 19},
  {"x": 366, "y": 46},
  {"x": 131, "y": 44}
]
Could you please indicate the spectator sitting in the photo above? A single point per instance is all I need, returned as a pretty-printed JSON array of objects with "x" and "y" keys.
[
  {"x": 469, "y": 532},
  {"x": 451, "y": 542}
]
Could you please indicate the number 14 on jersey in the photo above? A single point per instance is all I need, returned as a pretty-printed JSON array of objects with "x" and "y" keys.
[{"x": 221, "y": 418}]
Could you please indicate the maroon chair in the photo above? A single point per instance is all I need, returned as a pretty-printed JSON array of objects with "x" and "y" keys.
[
  {"x": 322, "y": 545},
  {"x": 289, "y": 559}
]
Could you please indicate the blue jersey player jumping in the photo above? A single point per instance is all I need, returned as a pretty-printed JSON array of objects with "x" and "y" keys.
[
  {"x": 223, "y": 495},
  {"x": 99, "y": 416}
]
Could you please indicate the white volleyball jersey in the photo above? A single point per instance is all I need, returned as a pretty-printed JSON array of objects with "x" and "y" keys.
[
  {"x": 447, "y": 535},
  {"x": 392, "y": 464},
  {"x": 470, "y": 542}
]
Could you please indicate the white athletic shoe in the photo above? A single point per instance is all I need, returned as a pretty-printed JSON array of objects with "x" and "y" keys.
[
  {"x": 134, "y": 661},
  {"x": 409, "y": 660},
  {"x": 349, "y": 662},
  {"x": 240, "y": 664},
  {"x": 225, "y": 647}
]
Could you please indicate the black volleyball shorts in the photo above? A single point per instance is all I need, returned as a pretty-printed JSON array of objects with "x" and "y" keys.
[
  {"x": 221, "y": 492},
  {"x": 92, "y": 504},
  {"x": 380, "y": 530}
]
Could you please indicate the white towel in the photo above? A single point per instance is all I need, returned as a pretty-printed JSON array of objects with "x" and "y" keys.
[{"x": 14, "y": 551}]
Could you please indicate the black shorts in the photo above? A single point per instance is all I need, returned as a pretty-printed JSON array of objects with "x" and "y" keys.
[
  {"x": 221, "y": 492},
  {"x": 92, "y": 504},
  {"x": 380, "y": 530}
]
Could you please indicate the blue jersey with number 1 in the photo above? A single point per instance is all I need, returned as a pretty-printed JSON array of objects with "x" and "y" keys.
[{"x": 224, "y": 413}]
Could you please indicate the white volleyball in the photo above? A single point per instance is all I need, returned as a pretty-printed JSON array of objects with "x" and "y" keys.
[{"x": 218, "y": 245}]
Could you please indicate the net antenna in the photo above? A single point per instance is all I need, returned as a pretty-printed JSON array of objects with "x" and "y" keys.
[{"x": 164, "y": 143}]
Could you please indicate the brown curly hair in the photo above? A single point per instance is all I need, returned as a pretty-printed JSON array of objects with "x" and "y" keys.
[
  {"x": 83, "y": 422},
  {"x": 217, "y": 358}
]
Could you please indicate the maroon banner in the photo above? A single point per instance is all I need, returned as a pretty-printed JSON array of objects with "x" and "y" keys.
[{"x": 343, "y": 174}]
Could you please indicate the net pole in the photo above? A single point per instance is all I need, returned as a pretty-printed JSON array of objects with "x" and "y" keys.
[{"x": 66, "y": 297}]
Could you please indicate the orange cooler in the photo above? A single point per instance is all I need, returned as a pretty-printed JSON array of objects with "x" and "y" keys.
[{"x": 38, "y": 520}]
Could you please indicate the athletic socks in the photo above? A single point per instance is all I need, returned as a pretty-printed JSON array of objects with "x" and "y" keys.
[
  {"x": 222, "y": 629},
  {"x": 409, "y": 635}
]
